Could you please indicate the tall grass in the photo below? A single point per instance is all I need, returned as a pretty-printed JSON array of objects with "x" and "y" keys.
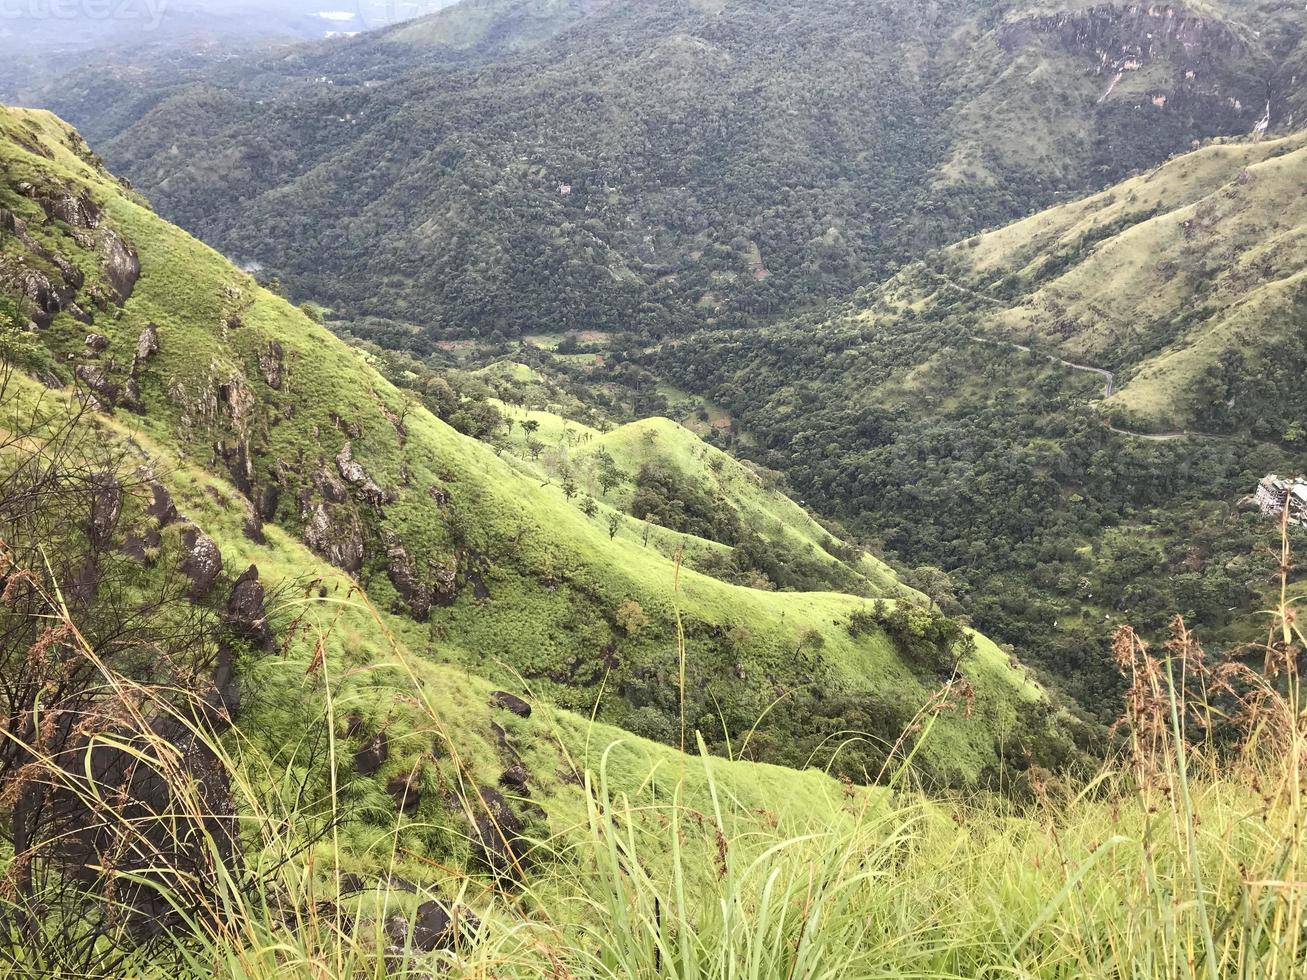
[{"x": 1182, "y": 857}]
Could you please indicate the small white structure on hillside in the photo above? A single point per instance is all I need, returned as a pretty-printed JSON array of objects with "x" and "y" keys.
[{"x": 1274, "y": 494}]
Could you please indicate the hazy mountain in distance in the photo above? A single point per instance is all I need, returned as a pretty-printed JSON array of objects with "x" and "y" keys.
[{"x": 40, "y": 42}]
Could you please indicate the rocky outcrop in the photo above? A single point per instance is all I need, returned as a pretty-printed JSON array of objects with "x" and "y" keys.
[
  {"x": 75, "y": 210},
  {"x": 271, "y": 363},
  {"x": 120, "y": 264},
  {"x": 147, "y": 345},
  {"x": 130, "y": 398},
  {"x": 510, "y": 702},
  {"x": 203, "y": 561},
  {"x": 335, "y": 534},
  {"x": 497, "y": 835},
  {"x": 106, "y": 506},
  {"x": 515, "y": 778},
  {"x": 96, "y": 381},
  {"x": 146, "y": 537},
  {"x": 354, "y": 474},
  {"x": 45, "y": 297},
  {"x": 246, "y": 615},
  {"x": 416, "y": 595}
]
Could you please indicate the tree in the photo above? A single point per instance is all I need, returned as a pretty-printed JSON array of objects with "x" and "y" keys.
[
  {"x": 609, "y": 475},
  {"x": 530, "y": 426},
  {"x": 614, "y": 522},
  {"x": 569, "y": 488},
  {"x": 588, "y": 507},
  {"x": 631, "y": 617}
]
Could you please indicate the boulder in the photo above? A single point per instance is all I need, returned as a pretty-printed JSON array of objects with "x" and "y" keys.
[
  {"x": 407, "y": 792},
  {"x": 436, "y": 926},
  {"x": 253, "y": 529},
  {"x": 497, "y": 834},
  {"x": 203, "y": 561},
  {"x": 515, "y": 778},
  {"x": 510, "y": 702},
  {"x": 161, "y": 507},
  {"x": 358, "y": 477},
  {"x": 369, "y": 759},
  {"x": 96, "y": 380},
  {"x": 97, "y": 343},
  {"x": 335, "y": 534},
  {"x": 120, "y": 264},
  {"x": 246, "y": 616},
  {"x": 399, "y": 566},
  {"x": 74, "y": 210},
  {"x": 147, "y": 345},
  {"x": 131, "y": 397}
]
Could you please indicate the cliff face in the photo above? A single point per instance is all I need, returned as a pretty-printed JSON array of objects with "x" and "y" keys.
[{"x": 1155, "y": 55}]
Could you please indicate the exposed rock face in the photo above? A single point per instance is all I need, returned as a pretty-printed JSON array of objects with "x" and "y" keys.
[
  {"x": 74, "y": 210},
  {"x": 270, "y": 363},
  {"x": 97, "y": 343},
  {"x": 246, "y": 615},
  {"x": 253, "y": 529},
  {"x": 267, "y": 501},
  {"x": 96, "y": 380},
  {"x": 203, "y": 561},
  {"x": 167, "y": 829},
  {"x": 46, "y": 297},
  {"x": 131, "y": 397},
  {"x": 358, "y": 477},
  {"x": 1129, "y": 38},
  {"x": 120, "y": 264},
  {"x": 335, "y": 534},
  {"x": 510, "y": 702},
  {"x": 146, "y": 538},
  {"x": 161, "y": 507},
  {"x": 147, "y": 345},
  {"x": 417, "y": 595},
  {"x": 446, "y": 582},
  {"x": 330, "y": 487}
]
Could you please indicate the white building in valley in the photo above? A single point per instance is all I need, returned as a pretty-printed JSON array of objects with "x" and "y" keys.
[{"x": 1275, "y": 493}]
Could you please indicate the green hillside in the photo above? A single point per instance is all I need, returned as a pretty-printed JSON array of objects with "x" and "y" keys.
[
  {"x": 663, "y": 165},
  {"x": 957, "y": 414},
  {"x": 1186, "y": 281},
  {"x": 473, "y": 560}
]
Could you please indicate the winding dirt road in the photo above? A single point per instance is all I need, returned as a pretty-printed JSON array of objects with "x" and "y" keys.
[{"x": 1109, "y": 379}]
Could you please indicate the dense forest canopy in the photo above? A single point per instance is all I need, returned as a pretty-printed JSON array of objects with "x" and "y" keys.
[{"x": 659, "y": 166}]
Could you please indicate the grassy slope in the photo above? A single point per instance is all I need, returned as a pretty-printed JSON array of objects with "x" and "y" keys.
[
  {"x": 420, "y": 704},
  {"x": 554, "y": 577},
  {"x": 1160, "y": 276}
]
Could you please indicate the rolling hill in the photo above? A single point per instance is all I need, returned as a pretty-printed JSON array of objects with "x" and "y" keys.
[
  {"x": 960, "y": 414},
  {"x": 473, "y": 561},
  {"x": 1187, "y": 282}
]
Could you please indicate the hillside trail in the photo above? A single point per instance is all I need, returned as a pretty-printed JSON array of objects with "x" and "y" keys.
[{"x": 1109, "y": 377}]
